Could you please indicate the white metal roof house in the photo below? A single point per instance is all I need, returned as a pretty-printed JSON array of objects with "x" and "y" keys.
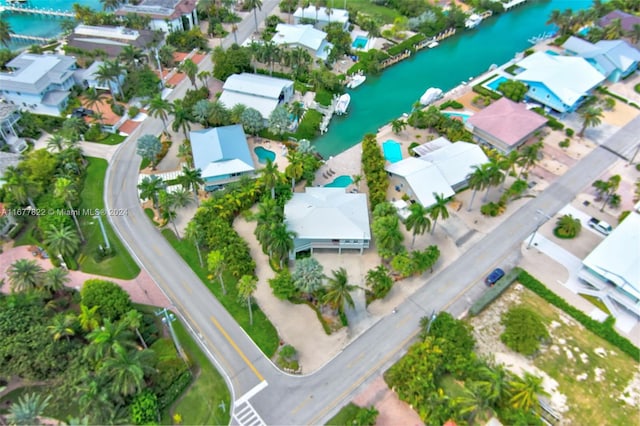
[
  {"x": 442, "y": 171},
  {"x": 616, "y": 59},
  {"x": 305, "y": 36},
  {"x": 613, "y": 267},
  {"x": 38, "y": 83},
  {"x": 260, "y": 92},
  {"x": 165, "y": 15},
  {"x": 222, "y": 155},
  {"x": 328, "y": 218},
  {"x": 87, "y": 78},
  {"x": 108, "y": 39},
  {"x": 559, "y": 82},
  {"x": 321, "y": 16},
  {"x": 9, "y": 117}
]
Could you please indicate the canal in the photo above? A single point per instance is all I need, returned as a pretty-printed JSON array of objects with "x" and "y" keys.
[{"x": 468, "y": 54}]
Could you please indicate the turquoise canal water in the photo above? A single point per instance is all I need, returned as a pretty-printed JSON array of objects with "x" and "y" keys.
[
  {"x": 41, "y": 26},
  {"x": 467, "y": 54}
]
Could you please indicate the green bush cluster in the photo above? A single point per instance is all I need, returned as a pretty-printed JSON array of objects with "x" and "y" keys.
[
  {"x": 524, "y": 330},
  {"x": 373, "y": 167},
  {"x": 175, "y": 390},
  {"x": 569, "y": 132},
  {"x": 604, "y": 329},
  {"x": 481, "y": 90},
  {"x": 408, "y": 44},
  {"x": 551, "y": 121},
  {"x": 451, "y": 103},
  {"x": 494, "y": 292},
  {"x": 112, "y": 301}
]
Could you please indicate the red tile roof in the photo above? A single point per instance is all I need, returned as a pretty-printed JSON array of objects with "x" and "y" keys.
[{"x": 508, "y": 121}]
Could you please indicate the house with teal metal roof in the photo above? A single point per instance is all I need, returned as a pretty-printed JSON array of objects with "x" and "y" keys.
[
  {"x": 615, "y": 59},
  {"x": 558, "y": 82},
  {"x": 222, "y": 154}
]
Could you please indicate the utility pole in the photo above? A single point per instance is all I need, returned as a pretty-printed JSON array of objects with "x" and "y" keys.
[
  {"x": 167, "y": 319},
  {"x": 159, "y": 66},
  {"x": 538, "y": 225}
]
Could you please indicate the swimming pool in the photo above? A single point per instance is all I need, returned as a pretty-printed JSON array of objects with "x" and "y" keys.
[
  {"x": 464, "y": 116},
  {"x": 493, "y": 84},
  {"x": 552, "y": 53},
  {"x": 360, "y": 42},
  {"x": 264, "y": 154},
  {"x": 392, "y": 151},
  {"x": 341, "y": 181}
]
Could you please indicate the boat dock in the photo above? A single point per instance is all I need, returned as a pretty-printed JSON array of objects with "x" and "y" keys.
[
  {"x": 36, "y": 11},
  {"x": 29, "y": 38},
  {"x": 512, "y": 4},
  {"x": 327, "y": 113}
]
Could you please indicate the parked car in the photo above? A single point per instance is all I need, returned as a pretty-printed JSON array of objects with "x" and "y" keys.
[
  {"x": 494, "y": 277},
  {"x": 600, "y": 225},
  {"x": 82, "y": 112}
]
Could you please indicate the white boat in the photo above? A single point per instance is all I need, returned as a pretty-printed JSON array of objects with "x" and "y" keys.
[
  {"x": 356, "y": 80},
  {"x": 473, "y": 21},
  {"x": 433, "y": 44},
  {"x": 343, "y": 104},
  {"x": 431, "y": 95}
]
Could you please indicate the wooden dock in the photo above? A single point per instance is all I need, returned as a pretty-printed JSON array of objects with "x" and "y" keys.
[
  {"x": 36, "y": 11},
  {"x": 29, "y": 38}
]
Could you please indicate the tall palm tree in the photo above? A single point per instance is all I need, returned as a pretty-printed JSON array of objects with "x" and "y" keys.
[
  {"x": 193, "y": 233},
  {"x": 5, "y": 33},
  {"x": 191, "y": 179},
  {"x": 150, "y": 187},
  {"x": 216, "y": 265},
  {"x": 529, "y": 155},
  {"x": 65, "y": 190},
  {"x": 26, "y": 411},
  {"x": 524, "y": 391},
  {"x": 247, "y": 285},
  {"x": 103, "y": 341},
  {"x": 339, "y": 290},
  {"x": 55, "y": 142},
  {"x": 181, "y": 118},
  {"x": 255, "y": 5},
  {"x": 55, "y": 279},
  {"x": 568, "y": 226},
  {"x": 185, "y": 154},
  {"x": 281, "y": 242},
  {"x": 613, "y": 30},
  {"x": 110, "y": 4},
  {"x": 126, "y": 370},
  {"x": 438, "y": 210},
  {"x": 94, "y": 98},
  {"x": 89, "y": 319},
  {"x": 398, "y": 125},
  {"x": 25, "y": 275},
  {"x": 295, "y": 169},
  {"x": 218, "y": 114},
  {"x": 270, "y": 177},
  {"x": 132, "y": 56},
  {"x": 62, "y": 325},
  {"x": 417, "y": 221},
  {"x": 190, "y": 68},
  {"x": 19, "y": 186},
  {"x": 495, "y": 175},
  {"x": 106, "y": 75},
  {"x": 296, "y": 109},
  {"x": 133, "y": 319},
  {"x": 61, "y": 239},
  {"x": 477, "y": 180},
  {"x": 591, "y": 117},
  {"x": 269, "y": 213},
  {"x": 160, "y": 108},
  {"x": 472, "y": 402},
  {"x": 203, "y": 76},
  {"x": 72, "y": 129}
]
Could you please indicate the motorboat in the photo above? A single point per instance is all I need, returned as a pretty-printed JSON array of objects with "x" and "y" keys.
[
  {"x": 16, "y": 1},
  {"x": 343, "y": 104},
  {"x": 433, "y": 44},
  {"x": 431, "y": 95},
  {"x": 356, "y": 80},
  {"x": 473, "y": 21}
]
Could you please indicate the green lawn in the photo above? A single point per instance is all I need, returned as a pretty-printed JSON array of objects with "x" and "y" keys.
[
  {"x": 53, "y": 411},
  {"x": 112, "y": 139},
  {"x": 345, "y": 416},
  {"x": 122, "y": 264},
  {"x": 202, "y": 403},
  {"x": 262, "y": 332},
  {"x": 25, "y": 237},
  {"x": 383, "y": 14}
]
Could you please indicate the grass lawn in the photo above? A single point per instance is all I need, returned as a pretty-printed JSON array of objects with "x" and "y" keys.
[
  {"x": 451, "y": 387},
  {"x": 202, "y": 403},
  {"x": 593, "y": 400},
  {"x": 121, "y": 265},
  {"x": 54, "y": 411},
  {"x": 385, "y": 15},
  {"x": 112, "y": 139},
  {"x": 262, "y": 332},
  {"x": 25, "y": 236},
  {"x": 345, "y": 416}
]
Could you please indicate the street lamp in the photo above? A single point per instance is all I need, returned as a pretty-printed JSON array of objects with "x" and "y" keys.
[
  {"x": 538, "y": 225},
  {"x": 104, "y": 233},
  {"x": 167, "y": 319}
]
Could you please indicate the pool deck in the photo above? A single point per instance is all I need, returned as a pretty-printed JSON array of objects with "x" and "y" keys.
[
  {"x": 277, "y": 148},
  {"x": 347, "y": 163}
]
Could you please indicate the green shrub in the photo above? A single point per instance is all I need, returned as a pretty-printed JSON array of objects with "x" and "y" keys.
[
  {"x": 410, "y": 149},
  {"x": 524, "y": 330},
  {"x": 565, "y": 143},
  {"x": 112, "y": 301},
  {"x": 494, "y": 292},
  {"x": 451, "y": 104},
  {"x": 637, "y": 88},
  {"x": 528, "y": 52},
  {"x": 144, "y": 409},
  {"x": 493, "y": 209},
  {"x": 408, "y": 44},
  {"x": 324, "y": 97},
  {"x": 569, "y": 131},
  {"x": 94, "y": 134},
  {"x": 604, "y": 330},
  {"x": 481, "y": 90},
  {"x": 638, "y": 167},
  {"x": 117, "y": 109},
  {"x": 175, "y": 390},
  {"x": 133, "y": 111}
]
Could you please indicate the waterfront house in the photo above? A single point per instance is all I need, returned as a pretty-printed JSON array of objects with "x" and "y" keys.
[
  {"x": 38, "y": 83},
  {"x": 613, "y": 269},
  {"x": 321, "y": 16},
  {"x": 305, "y": 36},
  {"x": 627, "y": 21},
  {"x": 504, "y": 125},
  {"x": 9, "y": 117},
  {"x": 328, "y": 218},
  {"x": 165, "y": 15},
  {"x": 560, "y": 83},
  {"x": 442, "y": 171},
  {"x": 222, "y": 155},
  {"x": 87, "y": 78},
  {"x": 260, "y": 92},
  {"x": 615, "y": 59},
  {"x": 110, "y": 40}
]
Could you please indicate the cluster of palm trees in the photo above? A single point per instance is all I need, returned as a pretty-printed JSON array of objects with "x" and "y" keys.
[
  {"x": 26, "y": 275},
  {"x": 570, "y": 22},
  {"x": 298, "y": 59},
  {"x": 420, "y": 218},
  {"x": 271, "y": 231}
]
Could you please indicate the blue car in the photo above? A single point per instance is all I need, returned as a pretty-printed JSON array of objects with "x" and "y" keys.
[{"x": 494, "y": 277}]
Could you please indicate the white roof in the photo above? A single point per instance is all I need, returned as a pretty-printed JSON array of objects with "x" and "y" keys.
[
  {"x": 34, "y": 73},
  {"x": 609, "y": 54},
  {"x": 221, "y": 168},
  {"x": 428, "y": 147},
  {"x": 304, "y": 35},
  {"x": 617, "y": 257},
  {"x": 456, "y": 161},
  {"x": 264, "y": 105},
  {"x": 255, "y": 84},
  {"x": 337, "y": 15},
  {"x": 568, "y": 77},
  {"x": 103, "y": 31},
  {"x": 423, "y": 177},
  {"x": 328, "y": 213}
]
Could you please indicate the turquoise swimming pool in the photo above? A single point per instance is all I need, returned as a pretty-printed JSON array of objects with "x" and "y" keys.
[
  {"x": 341, "y": 181},
  {"x": 392, "y": 151},
  {"x": 464, "y": 116},
  {"x": 360, "y": 42},
  {"x": 264, "y": 154},
  {"x": 552, "y": 53},
  {"x": 494, "y": 84}
]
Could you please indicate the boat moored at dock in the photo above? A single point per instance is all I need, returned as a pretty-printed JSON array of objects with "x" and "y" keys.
[{"x": 343, "y": 104}]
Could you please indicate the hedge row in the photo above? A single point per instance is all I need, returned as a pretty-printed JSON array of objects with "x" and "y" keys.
[
  {"x": 481, "y": 90},
  {"x": 175, "y": 390},
  {"x": 551, "y": 121},
  {"x": 602, "y": 329},
  {"x": 408, "y": 44},
  {"x": 494, "y": 292}
]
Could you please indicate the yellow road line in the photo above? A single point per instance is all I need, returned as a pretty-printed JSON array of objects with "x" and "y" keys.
[
  {"x": 235, "y": 346},
  {"x": 302, "y": 404},
  {"x": 358, "y": 358}
]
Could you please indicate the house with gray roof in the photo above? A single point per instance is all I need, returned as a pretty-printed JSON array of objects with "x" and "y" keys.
[
  {"x": 222, "y": 155},
  {"x": 321, "y": 16},
  {"x": 504, "y": 125},
  {"x": 108, "y": 39},
  {"x": 305, "y": 36},
  {"x": 615, "y": 59},
  {"x": 38, "y": 83},
  {"x": 88, "y": 78},
  {"x": 165, "y": 15},
  {"x": 260, "y": 92},
  {"x": 328, "y": 218}
]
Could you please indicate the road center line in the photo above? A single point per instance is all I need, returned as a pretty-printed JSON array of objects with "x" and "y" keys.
[{"x": 237, "y": 349}]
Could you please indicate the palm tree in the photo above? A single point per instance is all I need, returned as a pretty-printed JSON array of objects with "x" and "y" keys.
[
  {"x": 216, "y": 266},
  {"x": 94, "y": 98},
  {"x": 296, "y": 109},
  {"x": 25, "y": 275},
  {"x": 184, "y": 153},
  {"x": 55, "y": 279},
  {"x": 438, "y": 210},
  {"x": 181, "y": 118},
  {"x": 72, "y": 129},
  {"x": 247, "y": 285},
  {"x": 398, "y": 125},
  {"x": 338, "y": 290},
  {"x": 19, "y": 186},
  {"x": 568, "y": 226},
  {"x": 192, "y": 232},
  {"x": 190, "y": 68},
  {"x": 133, "y": 319},
  {"x": 472, "y": 402},
  {"x": 201, "y": 111},
  {"x": 270, "y": 177},
  {"x": 635, "y": 33},
  {"x": 255, "y": 5},
  {"x": 131, "y": 56},
  {"x": 61, "y": 239},
  {"x": 56, "y": 142},
  {"x": 236, "y": 112},
  {"x": 495, "y": 381},
  {"x": 65, "y": 190},
  {"x": 529, "y": 156},
  {"x": 295, "y": 169},
  {"x": 126, "y": 370},
  {"x": 269, "y": 213},
  {"x": 203, "y": 76},
  {"x": 613, "y": 30},
  {"x": 191, "y": 179},
  {"x": 149, "y": 188},
  {"x": 495, "y": 175},
  {"x": 62, "y": 326},
  {"x": 5, "y": 33},
  {"x": 591, "y": 117},
  {"x": 110, "y": 4},
  {"x": 26, "y": 411},
  {"x": 160, "y": 108},
  {"x": 103, "y": 341},
  {"x": 524, "y": 391},
  {"x": 356, "y": 181},
  {"x": 89, "y": 318},
  {"x": 417, "y": 221},
  {"x": 281, "y": 241},
  {"x": 477, "y": 180},
  {"x": 106, "y": 75},
  {"x": 218, "y": 114}
]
